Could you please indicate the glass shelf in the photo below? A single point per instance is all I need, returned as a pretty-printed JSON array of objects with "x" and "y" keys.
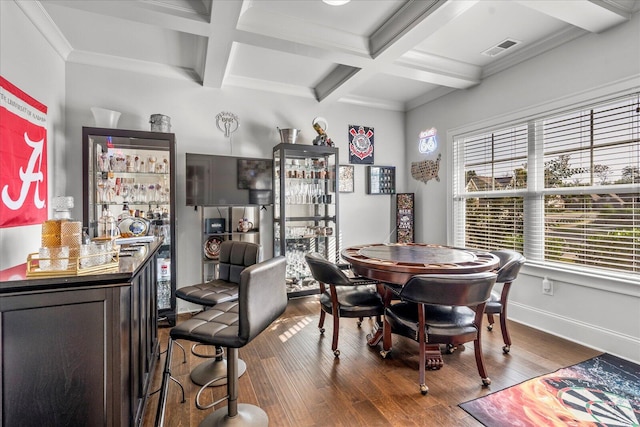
[{"x": 305, "y": 210}]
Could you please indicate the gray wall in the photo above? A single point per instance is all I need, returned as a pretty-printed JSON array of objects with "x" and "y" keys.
[
  {"x": 599, "y": 311},
  {"x": 29, "y": 62}
]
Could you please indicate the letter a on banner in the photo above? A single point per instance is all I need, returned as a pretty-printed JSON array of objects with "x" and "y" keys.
[{"x": 23, "y": 158}]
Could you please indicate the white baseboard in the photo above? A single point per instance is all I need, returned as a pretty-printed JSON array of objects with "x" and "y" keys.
[{"x": 593, "y": 336}]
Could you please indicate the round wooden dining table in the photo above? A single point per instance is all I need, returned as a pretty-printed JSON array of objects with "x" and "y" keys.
[{"x": 395, "y": 263}]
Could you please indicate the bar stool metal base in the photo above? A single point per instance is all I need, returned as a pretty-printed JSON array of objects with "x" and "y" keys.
[
  {"x": 216, "y": 368},
  {"x": 248, "y": 415}
]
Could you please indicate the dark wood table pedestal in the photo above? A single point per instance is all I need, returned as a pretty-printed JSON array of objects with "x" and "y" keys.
[{"x": 395, "y": 263}]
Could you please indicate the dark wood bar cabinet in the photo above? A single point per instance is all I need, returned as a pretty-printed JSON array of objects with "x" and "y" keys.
[{"x": 78, "y": 350}]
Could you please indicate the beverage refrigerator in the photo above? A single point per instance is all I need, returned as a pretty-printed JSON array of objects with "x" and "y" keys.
[{"x": 129, "y": 192}]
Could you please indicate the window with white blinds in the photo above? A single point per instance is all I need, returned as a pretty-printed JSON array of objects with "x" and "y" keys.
[{"x": 570, "y": 182}]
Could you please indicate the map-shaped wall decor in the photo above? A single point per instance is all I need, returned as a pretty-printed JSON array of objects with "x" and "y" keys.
[{"x": 426, "y": 169}]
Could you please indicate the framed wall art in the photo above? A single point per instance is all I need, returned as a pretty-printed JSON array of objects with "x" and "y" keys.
[
  {"x": 381, "y": 180},
  {"x": 345, "y": 184},
  {"x": 405, "y": 217},
  {"x": 360, "y": 145}
]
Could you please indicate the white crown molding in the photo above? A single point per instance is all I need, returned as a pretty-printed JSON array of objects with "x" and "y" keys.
[
  {"x": 133, "y": 65},
  {"x": 269, "y": 86},
  {"x": 43, "y": 22},
  {"x": 430, "y": 96},
  {"x": 435, "y": 63},
  {"x": 143, "y": 13},
  {"x": 363, "y": 101}
]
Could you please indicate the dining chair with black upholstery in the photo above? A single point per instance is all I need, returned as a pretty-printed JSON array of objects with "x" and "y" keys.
[
  {"x": 234, "y": 257},
  {"x": 441, "y": 309},
  {"x": 343, "y": 296},
  {"x": 510, "y": 264},
  {"x": 262, "y": 298}
]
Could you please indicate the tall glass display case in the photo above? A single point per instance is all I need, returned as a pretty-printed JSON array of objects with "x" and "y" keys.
[
  {"x": 305, "y": 214},
  {"x": 129, "y": 190}
]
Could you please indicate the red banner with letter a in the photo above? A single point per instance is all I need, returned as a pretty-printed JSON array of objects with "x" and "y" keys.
[{"x": 23, "y": 158}]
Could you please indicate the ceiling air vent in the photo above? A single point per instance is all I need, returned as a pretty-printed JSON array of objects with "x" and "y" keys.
[{"x": 501, "y": 47}]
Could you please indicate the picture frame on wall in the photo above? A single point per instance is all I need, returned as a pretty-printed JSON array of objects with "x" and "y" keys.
[
  {"x": 381, "y": 180},
  {"x": 345, "y": 183},
  {"x": 361, "y": 145}
]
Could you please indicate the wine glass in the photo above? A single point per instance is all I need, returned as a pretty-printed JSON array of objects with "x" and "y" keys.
[
  {"x": 135, "y": 192},
  {"x": 125, "y": 191},
  {"x": 142, "y": 193},
  {"x": 151, "y": 193},
  {"x": 102, "y": 185},
  {"x": 159, "y": 197}
]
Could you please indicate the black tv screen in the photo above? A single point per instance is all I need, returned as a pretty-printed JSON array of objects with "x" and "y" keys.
[{"x": 228, "y": 181}]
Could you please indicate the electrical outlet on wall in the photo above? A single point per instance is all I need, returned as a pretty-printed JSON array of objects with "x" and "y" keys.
[{"x": 547, "y": 286}]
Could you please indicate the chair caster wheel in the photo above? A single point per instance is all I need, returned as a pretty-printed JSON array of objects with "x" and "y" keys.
[
  {"x": 450, "y": 348},
  {"x": 359, "y": 323},
  {"x": 489, "y": 327},
  {"x": 506, "y": 349},
  {"x": 321, "y": 331},
  {"x": 384, "y": 353},
  {"x": 424, "y": 389},
  {"x": 486, "y": 381},
  {"x": 336, "y": 353}
]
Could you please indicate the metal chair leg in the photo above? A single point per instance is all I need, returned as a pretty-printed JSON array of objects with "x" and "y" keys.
[
  {"x": 214, "y": 369},
  {"x": 235, "y": 414},
  {"x": 164, "y": 387}
]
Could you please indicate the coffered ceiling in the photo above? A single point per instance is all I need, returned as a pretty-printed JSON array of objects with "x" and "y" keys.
[{"x": 391, "y": 54}]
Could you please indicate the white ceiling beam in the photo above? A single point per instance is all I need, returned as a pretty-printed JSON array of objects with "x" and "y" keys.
[
  {"x": 263, "y": 22},
  {"x": 595, "y": 16},
  {"x": 435, "y": 69},
  {"x": 224, "y": 19},
  {"x": 297, "y": 48},
  {"x": 406, "y": 29}
]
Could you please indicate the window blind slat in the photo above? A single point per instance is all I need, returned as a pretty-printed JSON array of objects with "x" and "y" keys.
[{"x": 578, "y": 151}]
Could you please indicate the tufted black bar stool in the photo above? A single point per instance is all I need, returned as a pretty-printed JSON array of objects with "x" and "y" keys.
[
  {"x": 262, "y": 298},
  {"x": 235, "y": 256}
]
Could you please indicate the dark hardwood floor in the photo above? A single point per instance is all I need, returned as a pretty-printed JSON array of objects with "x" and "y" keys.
[{"x": 293, "y": 375}]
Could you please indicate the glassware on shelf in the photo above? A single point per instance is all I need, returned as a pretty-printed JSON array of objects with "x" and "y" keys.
[
  {"x": 107, "y": 226},
  {"x": 152, "y": 164},
  {"x": 104, "y": 162},
  {"x": 151, "y": 193},
  {"x": 130, "y": 164}
]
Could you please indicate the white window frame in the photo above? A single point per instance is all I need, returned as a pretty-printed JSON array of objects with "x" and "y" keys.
[{"x": 535, "y": 192}]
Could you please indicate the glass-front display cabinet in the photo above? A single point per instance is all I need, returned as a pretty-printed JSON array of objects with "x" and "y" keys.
[
  {"x": 305, "y": 214},
  {"x": 129, "y": 193}
]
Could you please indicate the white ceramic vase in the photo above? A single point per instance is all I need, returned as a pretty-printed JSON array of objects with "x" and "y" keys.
[{"x": 105, "y": 118}]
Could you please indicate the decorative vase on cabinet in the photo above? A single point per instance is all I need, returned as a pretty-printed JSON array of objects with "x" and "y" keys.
[
  {"x": 130, "y": 175},
  {"x": 305, "y": 215}
]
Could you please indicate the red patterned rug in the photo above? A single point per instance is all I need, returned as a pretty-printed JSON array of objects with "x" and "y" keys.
[{"x": 603, "y": 391}]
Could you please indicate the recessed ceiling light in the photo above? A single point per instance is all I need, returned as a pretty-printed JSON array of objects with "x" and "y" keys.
[{"x": 336, "y": 2}]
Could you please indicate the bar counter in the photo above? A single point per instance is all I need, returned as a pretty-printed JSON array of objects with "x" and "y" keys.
[{"x": 78, "y": 350}]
